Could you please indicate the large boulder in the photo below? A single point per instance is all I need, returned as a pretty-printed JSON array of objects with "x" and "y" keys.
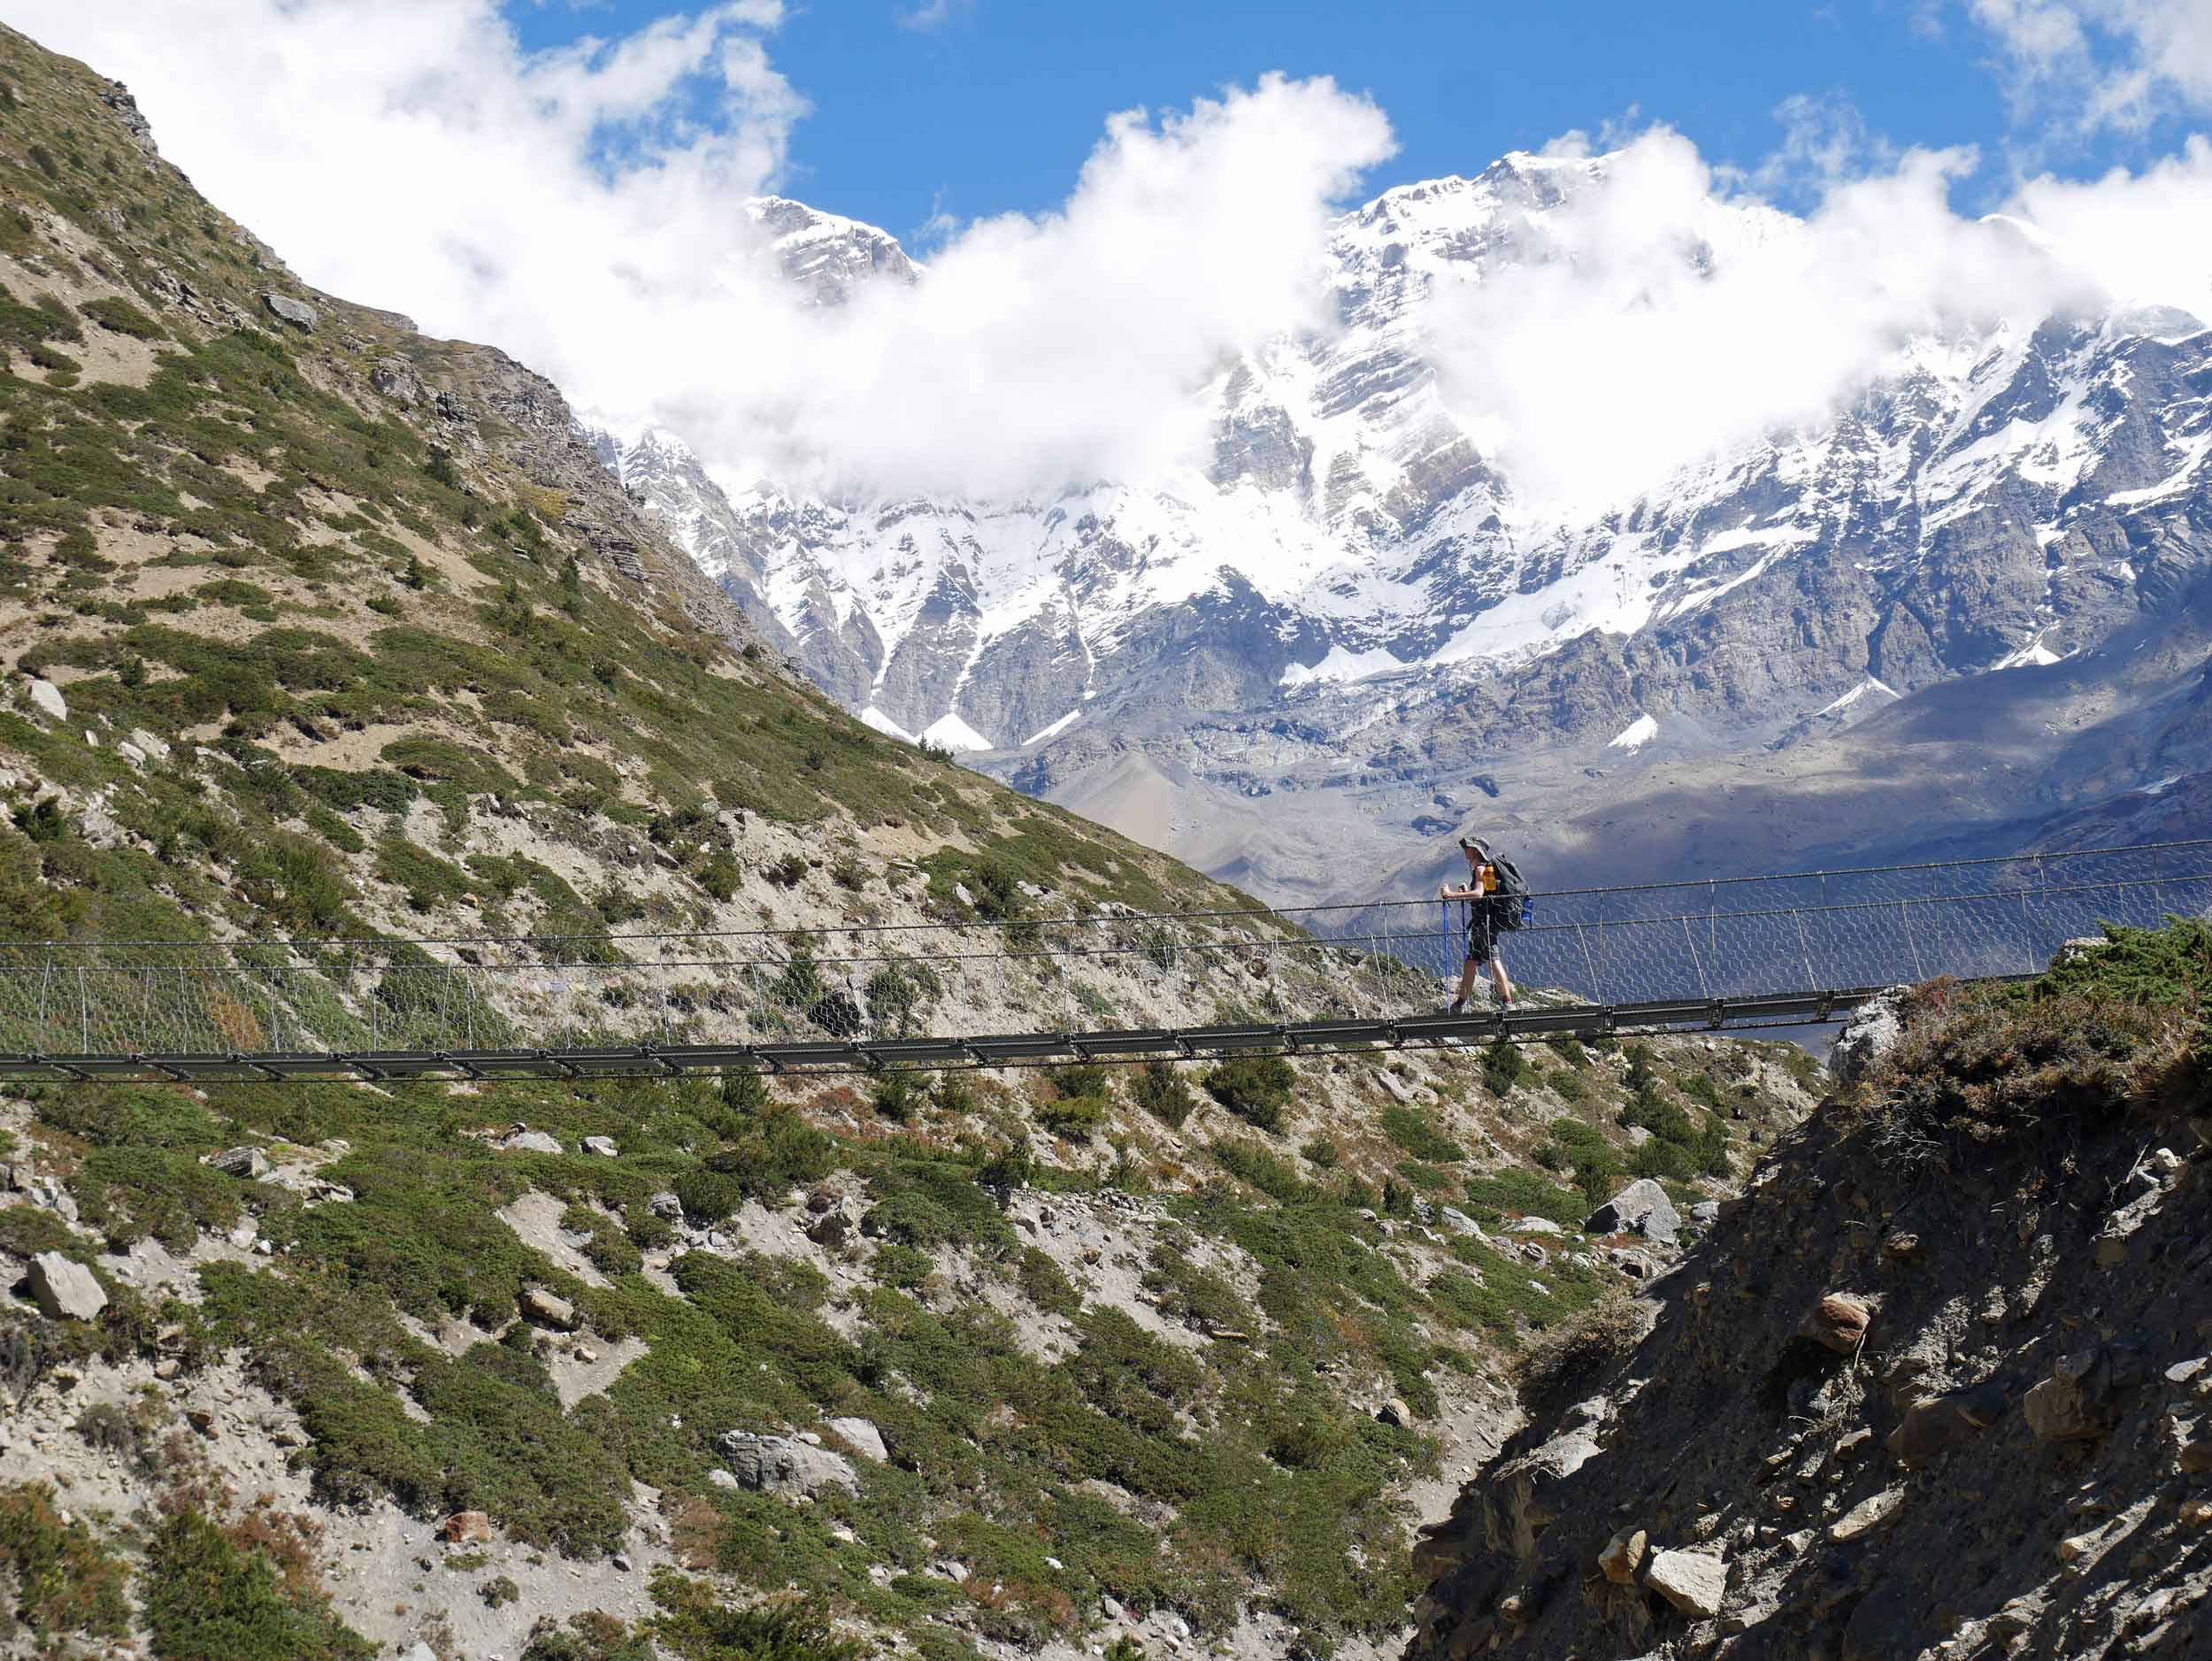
[
  {"x": 1868, "y": 1035},
  {"x": 466, "y": 1528},
  {"x": 240, "y": 1161},
  {"x": 1641, "y": 1208},
  {"x": 1622, "y": 1556},
  {"x": 862, "y": 1438},
  {"x": 785, "y": 1466},
  {"x": 298, "y": 313},
  {"x": 1838, "y": 1322},
  {"x": 394, "y": 378},
  {"x": 64, "y": 1289},
  {"x": 2080, "y": 1401},
  {"x": 1693, "y": 1581},
  {"x": 545, "y": 1309}
]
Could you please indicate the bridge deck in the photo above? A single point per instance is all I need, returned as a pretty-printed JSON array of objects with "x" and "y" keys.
[{"x": 1528, "y": 1024}]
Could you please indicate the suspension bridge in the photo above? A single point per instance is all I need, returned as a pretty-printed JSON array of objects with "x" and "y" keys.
[{"x": 1111, "y": 984}]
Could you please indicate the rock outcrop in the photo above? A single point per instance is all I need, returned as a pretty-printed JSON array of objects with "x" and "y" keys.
[
  {"x": 1989, "y": 1440},
  {"x": 785, "y": 1466},
  {"x": 64, "y": 1289}
]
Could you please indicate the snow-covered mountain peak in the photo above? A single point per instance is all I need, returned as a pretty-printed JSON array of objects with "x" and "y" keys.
[
  {"x": 1347, "y": 560},
  {"x": 825, "y": 255}
]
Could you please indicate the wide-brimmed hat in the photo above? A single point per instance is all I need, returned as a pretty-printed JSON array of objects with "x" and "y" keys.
[{"x": 1475, "y": 845}]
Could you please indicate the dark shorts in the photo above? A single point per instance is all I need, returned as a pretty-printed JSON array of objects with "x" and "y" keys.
[{"x": 1482, "y": 935}]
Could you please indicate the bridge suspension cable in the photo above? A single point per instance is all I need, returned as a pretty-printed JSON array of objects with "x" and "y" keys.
[{"x": 1112, "y": 983}]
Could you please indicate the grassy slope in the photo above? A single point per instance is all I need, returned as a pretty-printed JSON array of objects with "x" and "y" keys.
[{"x": 370, "y": 629}]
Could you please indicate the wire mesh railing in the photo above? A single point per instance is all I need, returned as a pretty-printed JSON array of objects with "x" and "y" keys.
[{"x": 861, "y": 992}]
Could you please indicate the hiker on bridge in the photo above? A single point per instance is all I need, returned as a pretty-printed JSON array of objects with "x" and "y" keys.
[{"x": 1493, "y": 901}]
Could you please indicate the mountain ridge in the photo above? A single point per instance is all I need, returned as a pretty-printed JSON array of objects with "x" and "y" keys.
[{"x": 1346, "y": 564}]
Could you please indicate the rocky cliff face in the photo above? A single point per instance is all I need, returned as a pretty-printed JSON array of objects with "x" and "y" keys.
[
  {"x": 1345, "y": 565},
  {"x": 1936, "y": 1386}
]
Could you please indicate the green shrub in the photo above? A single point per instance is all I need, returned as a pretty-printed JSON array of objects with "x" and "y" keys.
[
  {"x": 707, "y": 1196},
  {"x": 1522, "y": 1193},
  {"x": 744, "y": 1093},
  {"x": 2099, "y": 1037},
  {"x": 594, "y": 1636},
  {"x": 111, "y": 312},
  {"x": 1088, "y": 1077},
  {"x": 930, "y": 1203},
  {"x": 606, "y": 1248},
  {"x": 719, "y": 877},
  {"x": 1163, "y": 1092},
  {"x": 1413, "y": 1131},
  {"x": 1045, "y": 1284},
  {"x": 897, "y": 1097},
  {"x": 56, "y": 1580},
  {"x": 205, "y": 1597},
  {"x": 899, "y": 1265},
  {"x": 696, "y": 1625},
  {"x": 776, "y": 1151},
  {"x": 1504, "y": 1066},
  {"x": 1255, "y": 1088},
  {"x": 1597, "y": 1168},
  {"x": 1250, "y": 1162},
  {"x": 1074, "y": 1116}
]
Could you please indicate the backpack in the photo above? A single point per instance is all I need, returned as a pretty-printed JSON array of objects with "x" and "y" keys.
[{"x": 1510, "y": 904}]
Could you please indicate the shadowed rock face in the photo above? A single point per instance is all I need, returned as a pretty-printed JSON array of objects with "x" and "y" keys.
[{"x": 1886, "y": 1410}]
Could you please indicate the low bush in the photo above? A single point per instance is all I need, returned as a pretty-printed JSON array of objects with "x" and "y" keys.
[
  {"x": 1073, "y": 1117},
  {"x": 1573, "y": 1353},
  {"x": 1250, "y": 1162},
  {"x": 1255, "y": 1088},
  {"x": 606, "y": 1247},
  {"x": 57, "y": 1580},
  {"x": 594, "y": 1636},
  {"x": 112, "y": 312},
  {"x": 2076, "y": 1050},
  {"x": 1504, "y": 1066},
  {"x": 1523, "y": 1194},
  {"x": 1161, "y": 1091},
  {"x": 696, "y": 1625},
  {"x": 205, "y": 1596},
  {"x": 929, "y": 1203},
  {"x": 1414, "y": 1131}
]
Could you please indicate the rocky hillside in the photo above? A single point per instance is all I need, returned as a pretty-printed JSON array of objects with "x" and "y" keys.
[
  {"x": 1935, "y": 1386},
  {"x": 315, "y": 627},
  {"x": 1349, "y": 629}
]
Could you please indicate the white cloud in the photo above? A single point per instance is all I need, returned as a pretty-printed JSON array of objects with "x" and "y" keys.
[
  {"x": 584, "y": 210},
  {"x": 2118, "y": 63},
  {"x": 1064, "y": 347},
  {"x": 927, "y": 15},
  {"x": 1659, "y": 316}
]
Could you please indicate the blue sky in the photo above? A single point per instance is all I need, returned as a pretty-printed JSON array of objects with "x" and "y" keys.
[{"x": 997, "y": 105}]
